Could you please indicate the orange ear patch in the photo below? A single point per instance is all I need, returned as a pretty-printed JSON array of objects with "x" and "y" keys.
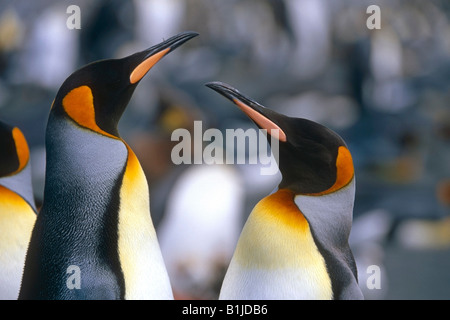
[
  {"x": 344, "y": 171},
  {"x": 141, "y": 70},
  {"x": 22, "y": 150},
  {"x": 79, "y": 105}
]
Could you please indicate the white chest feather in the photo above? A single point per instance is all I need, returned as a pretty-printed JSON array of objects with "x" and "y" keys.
[{"x": 139, "y": 252}]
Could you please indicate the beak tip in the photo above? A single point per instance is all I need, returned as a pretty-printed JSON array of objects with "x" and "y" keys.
[
  {"x": 212, "y": 85},
  {"x": 171, "y": 43},
  {"x": 253, "y": 109},
  {"x": 148, "y": 58},
  {"x": 216, "y": 84},
  {"x": 192, "y": 33},
  {"x": 222, "y": 88},
  {"x": 181, "y": 38}
]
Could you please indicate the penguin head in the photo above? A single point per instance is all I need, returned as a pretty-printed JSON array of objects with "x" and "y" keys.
[
  {"x": 14, "y": 153},
  {"x": 313, "y": 160},
  {"x": 96, "y": 95}
]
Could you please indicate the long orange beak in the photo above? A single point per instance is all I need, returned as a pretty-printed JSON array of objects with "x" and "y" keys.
[
  {"x": 156, "y": 53},
  {"x": 259, "y": 114}
]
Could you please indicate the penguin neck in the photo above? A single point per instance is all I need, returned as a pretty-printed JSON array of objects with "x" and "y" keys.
[
  {"x": 95, "y": 185},
  {"x": 274, "y": 222},
  {"x": 275, "y": 247},
  {"x": 93, "y": 174},
  {"x": 330, "y": 215},
  {"x": 21, "y": 184},
  {"x": 13, "y": 207},
  {"x": 330, "y": 218},
  {"x": 84, "y": 170},
  {"x": 79, "y": 159}
]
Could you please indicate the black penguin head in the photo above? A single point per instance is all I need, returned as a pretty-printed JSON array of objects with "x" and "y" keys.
[
  {"x": 312, "y": 158},
  {"x": 96, "y": 95},
  {"x": 14, "y": 153}
]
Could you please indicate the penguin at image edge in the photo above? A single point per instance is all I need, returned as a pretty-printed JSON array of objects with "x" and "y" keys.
[
  {"x": 294, "y": 244},
  {"x": 17, "y": 208},
  {"x": 94, "y": 237}
]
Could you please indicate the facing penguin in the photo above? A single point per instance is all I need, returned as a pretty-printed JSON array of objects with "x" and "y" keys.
[
  {"x": 94, "y": 237},
  {"x": 17, "y": 208},
  {"x": 294, "y": 244}
]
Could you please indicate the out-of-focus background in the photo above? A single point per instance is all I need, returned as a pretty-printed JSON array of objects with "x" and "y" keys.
[{"x": 386, "y": 91}]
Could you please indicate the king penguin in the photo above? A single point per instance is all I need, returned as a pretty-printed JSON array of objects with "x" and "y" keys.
[
  {"x": 94, "y": 237},
  {"x": 17, "y": 208},
  {"x": 294, "y": 244}
]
